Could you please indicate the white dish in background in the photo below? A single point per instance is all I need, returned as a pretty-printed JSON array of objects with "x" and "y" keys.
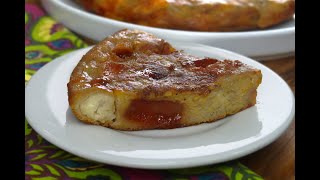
[
  {"x": 47, "y": 111},
  {"x": 271, "y": 43}
]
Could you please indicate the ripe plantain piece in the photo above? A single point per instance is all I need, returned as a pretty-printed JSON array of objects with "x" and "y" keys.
[
  {"x": 197, "y": 15},
  {"x": 133, "y": 80}
]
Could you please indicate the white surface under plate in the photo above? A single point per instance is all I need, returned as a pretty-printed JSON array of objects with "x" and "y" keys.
[
  {"x": 48, "y": 112},
  {"x": 275, "y": 42}
]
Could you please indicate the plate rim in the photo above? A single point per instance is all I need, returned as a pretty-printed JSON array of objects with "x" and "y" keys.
[{"x": 243, "y": 151}]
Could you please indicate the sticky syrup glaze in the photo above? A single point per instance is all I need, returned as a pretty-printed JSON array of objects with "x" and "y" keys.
[
  {"x": 132, "y": 60},
  {"x": 160, "y": 114}
]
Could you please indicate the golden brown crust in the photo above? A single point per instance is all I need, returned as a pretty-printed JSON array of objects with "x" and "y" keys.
[
  {"x": 144, "y": 83},
  {"x": 275, "y": 11},
  {"x": 119, "y": 63},
  {"x": 197, "y": 15}
]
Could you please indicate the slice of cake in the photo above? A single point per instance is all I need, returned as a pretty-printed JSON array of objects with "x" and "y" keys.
[{"x": 133, "y": 80}]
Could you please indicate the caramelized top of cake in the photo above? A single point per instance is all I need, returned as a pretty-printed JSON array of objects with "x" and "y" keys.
[
  {"x": 196, "y": 15},
  {"x": 132, "y": 60}
]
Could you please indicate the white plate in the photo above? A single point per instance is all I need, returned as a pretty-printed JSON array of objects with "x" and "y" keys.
[
  {"x": 48, "y": 112},
  {"x": 271, "y": 43}
]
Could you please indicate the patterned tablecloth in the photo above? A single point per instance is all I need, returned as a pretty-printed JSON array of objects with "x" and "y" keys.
[{"x": 45, "y": 39}]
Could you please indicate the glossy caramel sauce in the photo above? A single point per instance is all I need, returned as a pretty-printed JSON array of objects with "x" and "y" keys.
[
  {"x": 160, "y": 114},
  {"x": 132, "y": 60}
]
